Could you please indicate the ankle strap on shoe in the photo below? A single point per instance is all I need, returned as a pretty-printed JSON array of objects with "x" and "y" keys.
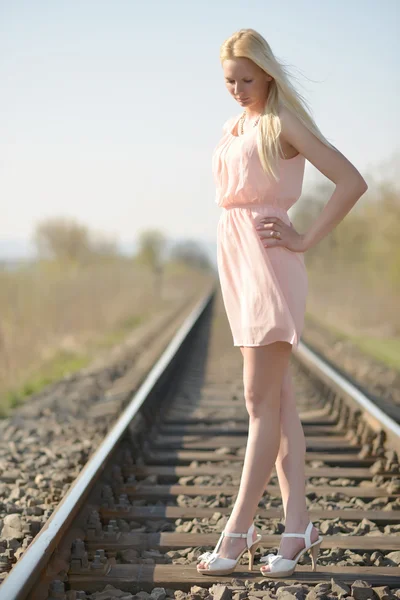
[
  {"x": 248, "y": 535},
  {"x": 306, "y": 535}
]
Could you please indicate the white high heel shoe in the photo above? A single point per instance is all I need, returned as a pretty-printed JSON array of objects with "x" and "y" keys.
[
  {"x": 283, "y": 567},
  {"x": 217, "y": 565}
]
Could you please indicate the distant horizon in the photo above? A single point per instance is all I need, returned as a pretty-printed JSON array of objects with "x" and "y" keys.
[{"x": 15, "y": 250}]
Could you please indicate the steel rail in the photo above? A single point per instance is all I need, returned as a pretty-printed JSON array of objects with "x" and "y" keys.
[
  {"x": 375, "y": 416},
  {"x": 25, "y": 573}
]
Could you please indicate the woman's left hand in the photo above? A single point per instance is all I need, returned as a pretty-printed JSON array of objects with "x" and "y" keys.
[{"x": 274, "y": 232}]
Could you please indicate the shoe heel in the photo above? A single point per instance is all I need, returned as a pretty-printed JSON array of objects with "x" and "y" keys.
[
  {"x": 314, "y": 551},
  {"x": 251, "y": 552}
]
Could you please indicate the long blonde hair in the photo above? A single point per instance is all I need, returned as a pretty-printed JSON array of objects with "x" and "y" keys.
[{"x": 248, "y": 43}]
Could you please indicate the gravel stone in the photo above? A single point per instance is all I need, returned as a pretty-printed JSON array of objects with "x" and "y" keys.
[
  {"x": 158, "y": 594},
  {"x": 220, "y": 592},
  {"x": 198, "y": 593},
  {"x": 394, "y": 557},
  {"x": 339, "y": 587},
  {"x": 362, "y": 590},
  {"x": 12, "y": 527},
  {"x": 287, "y": 596},
  {"x": 383, "y": 592}
]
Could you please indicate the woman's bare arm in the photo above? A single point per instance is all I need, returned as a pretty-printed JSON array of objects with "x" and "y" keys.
[{"x": 350, "y": 185}]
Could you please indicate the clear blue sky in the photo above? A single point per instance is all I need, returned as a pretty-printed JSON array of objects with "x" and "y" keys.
[{"x": 109, "y": 111}]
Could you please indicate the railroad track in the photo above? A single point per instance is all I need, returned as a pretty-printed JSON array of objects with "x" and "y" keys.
[{"x": 160, "y": 488}]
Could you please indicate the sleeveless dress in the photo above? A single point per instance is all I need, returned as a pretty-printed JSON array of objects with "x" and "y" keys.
[{"x": 264, "y": 290}]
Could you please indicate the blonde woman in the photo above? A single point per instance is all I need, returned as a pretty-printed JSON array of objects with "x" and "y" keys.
[{"x": 258, "y": 166}]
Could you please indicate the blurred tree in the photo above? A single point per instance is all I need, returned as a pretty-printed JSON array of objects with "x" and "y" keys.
[
  {"x": 308, "y": 208},
  {"x": 190, "y": 253},
  {"x": 382, "y": 218},
  {"x": 66, "y": 240},
  {"x": 151, "y": 252},
  {"x": 62, "y": 238},
  {"x": 365, "y": 243},
  {"x": 103, "y": 247}
]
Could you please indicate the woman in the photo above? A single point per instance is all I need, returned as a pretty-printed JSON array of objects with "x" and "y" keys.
[{"x": 258, "y": 166}]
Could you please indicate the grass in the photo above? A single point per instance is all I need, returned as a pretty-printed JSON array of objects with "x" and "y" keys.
[
  {"x": 54, "y": 322},
  {"x": 64, "y": 363},
  {"x": 384, "y": 349},
  {"x": 116, "y": 336},
  {"x": 53, "y": 325}
]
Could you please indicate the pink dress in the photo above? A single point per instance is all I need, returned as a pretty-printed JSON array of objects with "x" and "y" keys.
[{"x": 264, "y": 290}]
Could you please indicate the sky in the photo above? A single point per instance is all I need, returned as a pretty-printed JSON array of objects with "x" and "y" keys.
[{"x": 110, "y": 111}]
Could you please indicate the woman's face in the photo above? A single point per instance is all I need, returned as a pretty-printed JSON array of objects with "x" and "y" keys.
[{"x": 246, "y": 81}]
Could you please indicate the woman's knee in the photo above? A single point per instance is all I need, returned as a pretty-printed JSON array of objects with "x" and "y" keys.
[{"x": 258, "y": 401}]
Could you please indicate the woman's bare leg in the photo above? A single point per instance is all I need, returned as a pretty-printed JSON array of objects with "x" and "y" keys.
[
  {"x": 290, "y": 469},
  {"x": 263, "y": 371}
]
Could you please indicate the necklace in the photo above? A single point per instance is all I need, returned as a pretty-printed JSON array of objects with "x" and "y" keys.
[{"x": 242, "y": 119}]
